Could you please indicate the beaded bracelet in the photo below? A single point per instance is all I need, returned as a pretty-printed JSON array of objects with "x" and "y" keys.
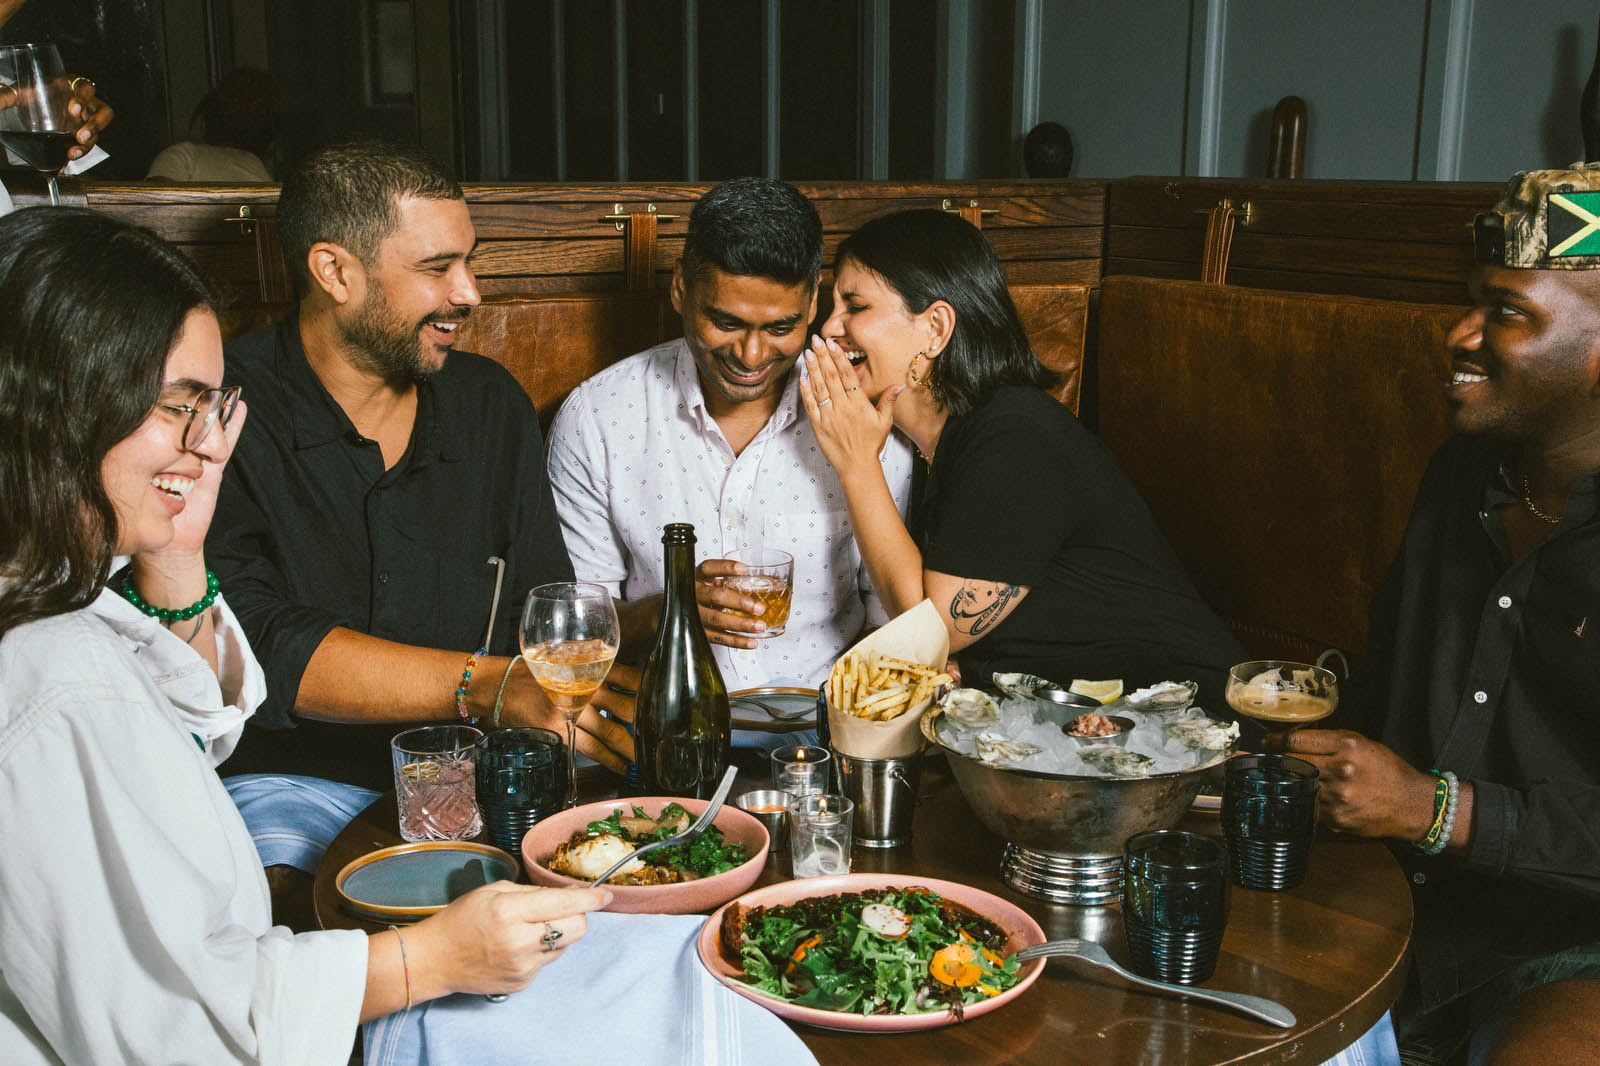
[
  {"x": 168, "y": 615},
  {"x": 1438, "y": 838},
  {"x": 1441, "y": 799},
  {"x": 461, "y": 689}
]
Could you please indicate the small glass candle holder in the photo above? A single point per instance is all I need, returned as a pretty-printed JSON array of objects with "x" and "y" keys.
[
  {"x": 821, "y": 830},
  {"x": 801, "y": 769}
]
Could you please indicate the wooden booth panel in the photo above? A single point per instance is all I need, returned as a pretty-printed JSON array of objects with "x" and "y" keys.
[
  {"x": 559, "y": 239},
  {"x": 1277, "y": 437},
  {"x": 1392, "y": 240}
]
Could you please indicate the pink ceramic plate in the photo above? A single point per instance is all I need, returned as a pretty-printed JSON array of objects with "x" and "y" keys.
[
  {"x": 1020, "y": 928},
  {"x": 689, "y": 897}
]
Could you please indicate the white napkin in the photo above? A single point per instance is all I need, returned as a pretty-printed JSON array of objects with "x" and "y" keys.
[{"x": 632, "y": 990}]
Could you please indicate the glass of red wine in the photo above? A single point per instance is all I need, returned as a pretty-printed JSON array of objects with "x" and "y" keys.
[{"x": 34, "y": 124}]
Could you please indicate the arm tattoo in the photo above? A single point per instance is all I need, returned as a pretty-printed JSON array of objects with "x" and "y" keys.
[{"x": 977, "y": 606}]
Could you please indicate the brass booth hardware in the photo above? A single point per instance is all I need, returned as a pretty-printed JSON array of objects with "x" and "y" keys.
[
  {"x": 245, "y": 220},
  {"x": 1241, "y": 214},
  {"x": 950, "y": 206},
  {"x": 621, "y": 217}
]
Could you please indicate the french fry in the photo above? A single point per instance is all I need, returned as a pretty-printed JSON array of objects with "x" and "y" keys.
[{"x": 880, "y": 687}]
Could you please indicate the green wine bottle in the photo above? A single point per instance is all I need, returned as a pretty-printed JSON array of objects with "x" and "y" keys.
[{"x": 682, "y": 726}]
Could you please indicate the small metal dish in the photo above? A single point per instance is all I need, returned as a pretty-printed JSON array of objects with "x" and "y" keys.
[
  {"x": 1120, "y": 739},
  {"x": 1065, "y": 697}
]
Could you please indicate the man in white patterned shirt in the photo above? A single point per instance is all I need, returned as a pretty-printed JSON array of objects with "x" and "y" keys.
[{"x": 709, "y": 429}]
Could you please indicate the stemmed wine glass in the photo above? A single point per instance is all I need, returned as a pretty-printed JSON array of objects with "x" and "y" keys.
[
  {"x": 1282, "y": 694},
  {"x": 34, "y": 123},
  {"x": 569, "y": 639}
]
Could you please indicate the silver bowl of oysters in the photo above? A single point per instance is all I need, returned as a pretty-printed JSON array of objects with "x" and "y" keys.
[{"x": 1065, "y": 804}]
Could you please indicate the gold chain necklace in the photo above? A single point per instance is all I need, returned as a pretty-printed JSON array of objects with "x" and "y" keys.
[{"x": 1533, "y": 509}]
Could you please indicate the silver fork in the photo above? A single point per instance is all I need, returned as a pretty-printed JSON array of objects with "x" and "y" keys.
[
  {"x": 1266, "y": 1010},
  {"x": 693, "y": 831}
]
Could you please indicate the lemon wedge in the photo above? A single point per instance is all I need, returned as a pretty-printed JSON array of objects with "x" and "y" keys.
[{"x": 1104, "y": 691}]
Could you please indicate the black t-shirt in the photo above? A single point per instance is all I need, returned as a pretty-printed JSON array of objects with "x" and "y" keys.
[
  {"x": 1020, "y": 492},
  {"x": 311, "y": 532}
]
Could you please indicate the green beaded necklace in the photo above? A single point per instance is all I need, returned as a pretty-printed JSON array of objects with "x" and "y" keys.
[{"x": 167, "y": 615}]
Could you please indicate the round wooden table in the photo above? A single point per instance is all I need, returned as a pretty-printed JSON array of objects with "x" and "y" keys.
[{"x": 1331, "y": 950}]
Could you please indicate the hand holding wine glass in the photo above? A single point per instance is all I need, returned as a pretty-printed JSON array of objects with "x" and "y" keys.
[
  {"x": 569, "y": 640},
  {"x": 36, "y": 125}
]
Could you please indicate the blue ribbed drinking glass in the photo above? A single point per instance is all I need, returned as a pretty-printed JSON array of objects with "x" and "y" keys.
[
  {"x": 1174, "y": 904},
  {"x": 1269, "y": 816},
  {"x": 521, "y": 777}
]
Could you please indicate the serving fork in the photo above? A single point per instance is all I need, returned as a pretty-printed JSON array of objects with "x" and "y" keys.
[
  {"x": 699, "y": 826},
  {"x": 1266, "y": 1010}
]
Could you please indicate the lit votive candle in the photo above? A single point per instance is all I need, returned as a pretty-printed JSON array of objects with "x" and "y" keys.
[{"x": 801, "y": 769}]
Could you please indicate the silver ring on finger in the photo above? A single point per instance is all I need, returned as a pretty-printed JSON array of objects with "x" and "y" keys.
[
  {"x": 551, "y": 938},
  {"x": 825, "y": 401}
]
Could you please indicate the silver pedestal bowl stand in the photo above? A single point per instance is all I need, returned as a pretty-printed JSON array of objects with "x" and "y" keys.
[{"x": 1064, "y": 834}]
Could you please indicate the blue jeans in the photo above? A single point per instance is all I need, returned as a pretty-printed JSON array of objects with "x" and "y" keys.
[{"x": 293, "y": 819}]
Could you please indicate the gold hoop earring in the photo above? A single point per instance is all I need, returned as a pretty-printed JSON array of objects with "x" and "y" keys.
[{"x": 911, "y": 371}]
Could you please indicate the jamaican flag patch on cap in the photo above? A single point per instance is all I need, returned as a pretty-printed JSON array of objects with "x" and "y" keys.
[{"x": 1573, "y": 224}]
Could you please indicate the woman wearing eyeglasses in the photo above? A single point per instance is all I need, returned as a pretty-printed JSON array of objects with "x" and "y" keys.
[{"x": 135, "y": 923}]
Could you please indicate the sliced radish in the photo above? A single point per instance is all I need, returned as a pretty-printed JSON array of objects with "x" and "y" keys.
[{"x": 887, "y": 921}]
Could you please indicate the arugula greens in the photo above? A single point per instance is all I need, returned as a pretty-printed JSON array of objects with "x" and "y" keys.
[
  {"x": 819, "y": 953},
  {"x": 704, "y": 856}
]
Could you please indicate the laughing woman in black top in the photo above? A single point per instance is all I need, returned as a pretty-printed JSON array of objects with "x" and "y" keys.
[{"x": 1036, "y": 549}]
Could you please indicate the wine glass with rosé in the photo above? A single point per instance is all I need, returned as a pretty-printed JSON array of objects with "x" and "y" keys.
[
  {"x": 1282, "y": 694},
  {"x": 569, "y": 639}
]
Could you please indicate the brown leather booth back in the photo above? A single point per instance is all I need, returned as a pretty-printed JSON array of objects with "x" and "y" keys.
[
  {"x": 1057, "y": 319},
  {"x": 553, "y": 343},
  {"x": 1277, "y": 437},
  {"x": 550, "y": 343}
]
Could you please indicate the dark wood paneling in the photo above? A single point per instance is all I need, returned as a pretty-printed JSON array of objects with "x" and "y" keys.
[{"x": 1402, "y": 240}]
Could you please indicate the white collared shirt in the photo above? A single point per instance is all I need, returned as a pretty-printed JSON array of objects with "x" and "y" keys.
[
  {"x": 135, "y": 923},
  {"x": 634, "y": 448}
]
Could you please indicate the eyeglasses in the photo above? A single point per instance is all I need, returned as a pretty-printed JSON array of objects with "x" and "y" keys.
[{"x": 211, "y": 407}]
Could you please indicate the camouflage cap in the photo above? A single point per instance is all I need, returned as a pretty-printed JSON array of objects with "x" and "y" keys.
[{"x": 1545, "y": 220}]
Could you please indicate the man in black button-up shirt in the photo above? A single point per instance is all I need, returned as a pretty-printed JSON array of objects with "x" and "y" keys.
[
  {"x": 359, "y": 527},
  {"x": 1485, "y": 660}
]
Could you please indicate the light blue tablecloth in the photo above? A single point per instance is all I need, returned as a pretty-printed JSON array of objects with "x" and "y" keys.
[{"x": 633, "y": 990}]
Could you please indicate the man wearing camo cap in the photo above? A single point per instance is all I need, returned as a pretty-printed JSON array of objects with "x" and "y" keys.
[{"x": 1483, "y": 679}]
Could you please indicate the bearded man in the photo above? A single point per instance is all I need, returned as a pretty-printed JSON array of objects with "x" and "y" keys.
[{"x": 389, "y": 509}]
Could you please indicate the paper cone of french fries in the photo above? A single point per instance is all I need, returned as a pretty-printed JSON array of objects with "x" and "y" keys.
[{"x": 879, "y": 689}]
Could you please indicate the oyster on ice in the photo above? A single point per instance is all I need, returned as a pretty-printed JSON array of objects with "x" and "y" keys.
[
  {"x": 1167, "y": 696},
  {"x": 1019, "y": 685},
  {"x": 971, "y": 708},
  {"x": 998, "y": 751},
  {"x": 1116, "y": 762},
  {"x": 1204, "y": 734}
]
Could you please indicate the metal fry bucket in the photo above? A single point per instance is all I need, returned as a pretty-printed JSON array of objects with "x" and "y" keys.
[{"x": 885, "y": 794}]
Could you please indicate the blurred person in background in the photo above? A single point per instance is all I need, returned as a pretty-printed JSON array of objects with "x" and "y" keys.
[{"x": 238, "y": 125}]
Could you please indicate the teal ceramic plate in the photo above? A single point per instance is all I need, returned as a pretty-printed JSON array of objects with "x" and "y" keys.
[{"x": 412, "y": 881}]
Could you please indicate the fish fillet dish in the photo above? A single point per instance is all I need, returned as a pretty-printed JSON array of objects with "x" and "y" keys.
[{"x": 593, "y": 849}]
